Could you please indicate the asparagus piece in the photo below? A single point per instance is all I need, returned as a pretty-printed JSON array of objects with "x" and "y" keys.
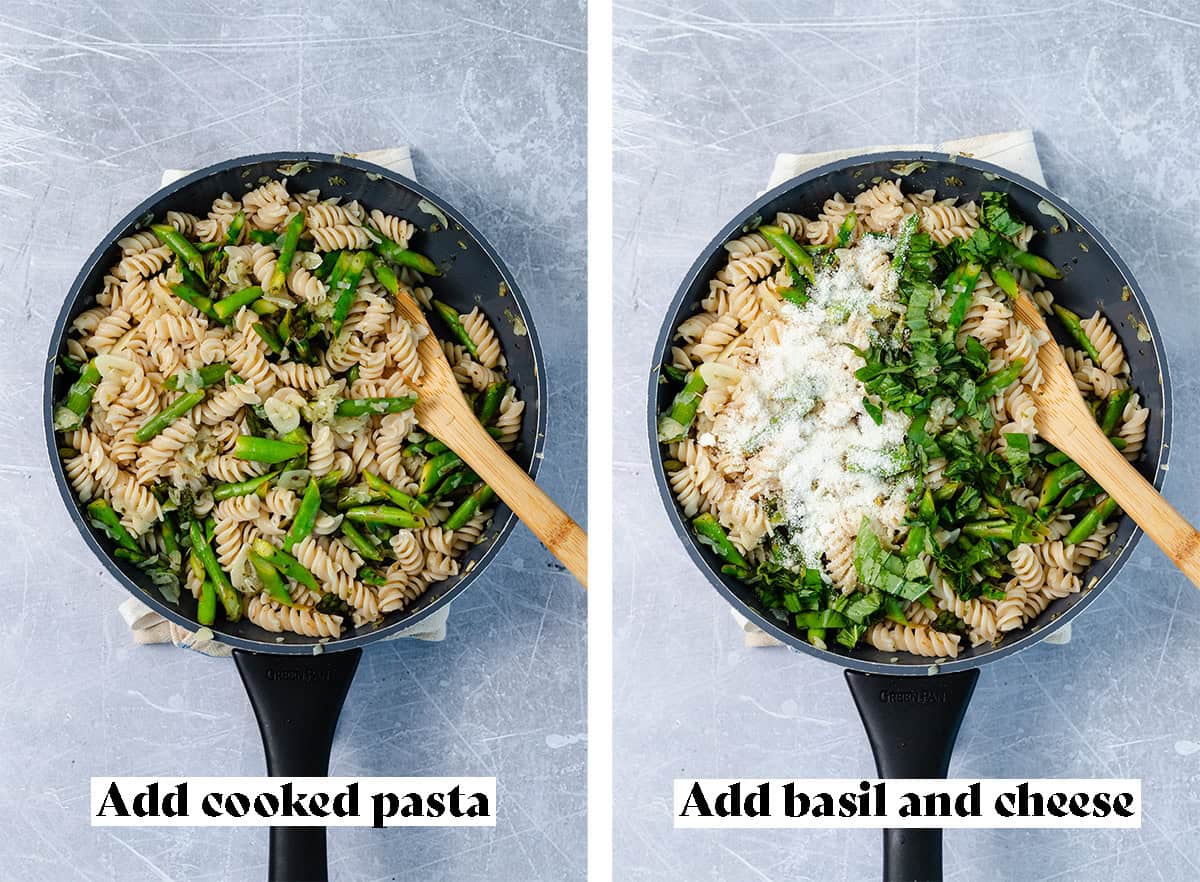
[
  {"x": 1000, "y": 380},
  {"x": 242, "y": 488},
  {"x": 961, "y": 284},
  {"x": 1090, "y": 522},
  {"x": 230, "y": 599},
  {"x": 468, "y": 508},
  {"x": 264, "y": 307},
  {"x": 202, "y": 302},
  {"x": 1074, "y": 327},
  {"x": 306, "y": 515},
  {"x": 269, "y": 337},
  {"x": 264, "y": 237},
  {"x": 346, "y": 286},
  {"x": 1032, "y": 262},
  {"x": 268, "y": 450},
  {"x": 1114, "y": 408},
  {"x": 209, "y": 375},
  {"x": 206, "y": 606},
  {"x": 1006, "y": 280},
  {"x": 385, "y": 275},
  {"x": 227, "y": 308},
  {"x": 392, "y": 251},
  {"x": 454, "y": 482},
  {"x": 712, "y": 535},
  {"x": 1055, "y": 483},
  {"x": 1078, "y": 493},
  {"x": 285, "y": 563},
  {"x": 234, "y": 232},
  {"x": 387, "y": 491},
  {"x": 184, "y": 250},
  {"x": 105, "y": 517},
  {"x": 436, "y": 469},
  {"x": 846, "y": 230},
  {"x": 353, "y": 407},
  {"x": 391, "y": 515},
  {"x": 271, "y": 580},
  {"x": 70, "y": 414},
  {"x": 450, "y": 316},
  {"x": 287, "y": 253},
  {"x": 168, "y": 415},
  {"x": 673, "y": 425},
  {"x": 361, "y": 543},
  {"x": 371, "y": 577},
  {"x": 792, "y": 250},
  {"x": 491, "y": 401}
]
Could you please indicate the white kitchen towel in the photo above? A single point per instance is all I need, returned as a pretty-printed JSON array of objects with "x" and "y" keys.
[
  {"x": 1014, "y": 151},
  {"x": 145, "y": 624}
]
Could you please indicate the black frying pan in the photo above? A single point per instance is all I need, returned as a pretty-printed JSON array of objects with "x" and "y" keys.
[
  {"x": 911, "y": 723},
  {"x": 297, "y": 695}
]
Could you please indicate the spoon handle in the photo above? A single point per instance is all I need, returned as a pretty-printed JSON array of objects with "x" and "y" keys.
[
  {"x": 562, "y": 537},
  {"x": 1137, "y": 497}
]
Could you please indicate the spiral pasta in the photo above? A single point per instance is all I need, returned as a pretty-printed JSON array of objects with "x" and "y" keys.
[{"x": 254, "y": 421}]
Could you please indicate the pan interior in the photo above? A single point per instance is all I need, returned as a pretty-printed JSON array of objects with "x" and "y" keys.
[
  {"x": 1094, "y": 278},
  {"x": 475, "y": 277}
]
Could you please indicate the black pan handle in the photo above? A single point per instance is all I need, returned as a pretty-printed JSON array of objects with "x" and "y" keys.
[
  {"x": 297, "y": 700},
  {"x": 912, "y": 723}
]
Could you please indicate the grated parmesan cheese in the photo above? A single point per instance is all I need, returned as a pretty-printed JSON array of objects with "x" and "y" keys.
[{"x": 797, "y": 425}]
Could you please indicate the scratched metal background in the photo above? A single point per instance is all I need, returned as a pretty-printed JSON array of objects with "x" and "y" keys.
[
  {"x": 95, "y": 99},
  {"x": 707, "y": 93}
]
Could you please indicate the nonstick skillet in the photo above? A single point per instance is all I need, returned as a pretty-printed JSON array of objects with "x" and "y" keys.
[
  {"x": 912, "y": 723},
  {"x": 297, "y": 686}
]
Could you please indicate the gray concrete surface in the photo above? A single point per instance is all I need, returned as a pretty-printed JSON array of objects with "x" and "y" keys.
[
  {"x": 707, "y": 93},
  {"x": 95, "y": 99}
]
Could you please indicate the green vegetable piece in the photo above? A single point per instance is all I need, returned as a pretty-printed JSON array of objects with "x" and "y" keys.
[
  {"x": 105, "y": 517},
  {"x": 714, "y": 536},
  {"x": 306, "y": 515},
  {"x": 450, "y": 316},
  {"x": 792, "y": 250},
  {"x": 268, "y": 450},
  {"x": 346, "y": 287},
  {"x": 206, "y": 606},
  {"x": 1113, "y": 408},
  {"x": 354, "y": 407},
  {"x": 202, "y": 302},
  {"x": 1006, "y": 280},
  {"x": 387, "y": 491},
  {"x": 231, "y": 600},
  {"x": 287, "y": 253},
  {"x": 490, "y": 404},
  {"x": 269, "y": 337},
  {"x": 1090, "y": 522},
  {"x": 1074, "y": 327},
  {"x": 674, "y": 424},
  {"x": 79, "y": 398},
  {"x": 184, "y": 250},
  {"x": 392, "y": 251},
  {"x": 999, "y": 381},
  {"x": 361, "y": 543},
  {"x": 390, "y": 515},
  {"x": 436, "y": 469},
  {"x": 236, "y": 226},
  {"x": 243, "y": 488},
  {"x": 996, "y": 215},
  {"x": 960, "y": 285},
  {"x": 271, "y": 580},
  {"x": 209, "y": 375},
  {"x": 168, "y": 415},
  {"x": 385, "y": 275},
  {"x": 469, "y": 507},
  {"x": 285, "y": 563},
  {"x": 846, "y": 230},
  {"x": 227, "y": 308}
]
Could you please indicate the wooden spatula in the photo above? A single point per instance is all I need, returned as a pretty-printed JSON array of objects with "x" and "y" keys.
[
  {"x": 1064, "y": 420},
  {"x": 442, "y": 410}
]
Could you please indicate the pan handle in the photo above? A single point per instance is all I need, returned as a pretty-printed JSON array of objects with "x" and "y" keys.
[
  {"x": 297, "y": 700},
  {"x": 912, "y": 724}
]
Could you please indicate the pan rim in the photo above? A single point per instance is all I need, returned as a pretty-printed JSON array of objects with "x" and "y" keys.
[
  {"x": 313, "y": 646},
  {"x": 718, "y": 580}
]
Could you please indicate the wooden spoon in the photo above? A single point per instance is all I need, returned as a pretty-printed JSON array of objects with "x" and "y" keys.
[
  {"x": 1064, "y": 420},
  {"x": 442, "y": 410}
]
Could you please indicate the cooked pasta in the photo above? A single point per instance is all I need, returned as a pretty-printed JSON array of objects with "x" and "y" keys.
[
  {"x": 241, "y": 423},
  {"x": 855, "y": 433}
]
